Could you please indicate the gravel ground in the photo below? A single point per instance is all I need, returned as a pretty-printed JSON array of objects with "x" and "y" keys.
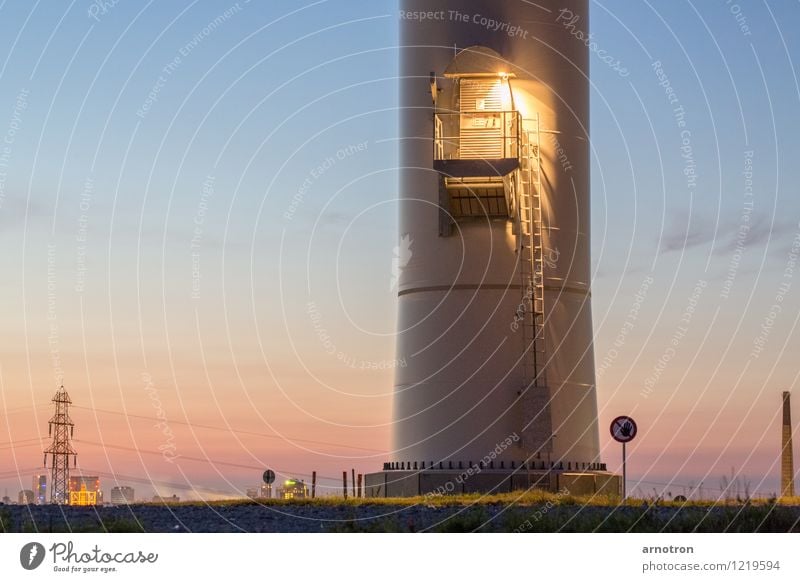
[{"x": 368, "y": 517}]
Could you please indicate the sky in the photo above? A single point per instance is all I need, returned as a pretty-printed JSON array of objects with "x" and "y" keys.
[{"x": 198, "y": 223}]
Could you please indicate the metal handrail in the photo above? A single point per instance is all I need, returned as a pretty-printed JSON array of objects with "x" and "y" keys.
[{"x": 477, "y": 134}]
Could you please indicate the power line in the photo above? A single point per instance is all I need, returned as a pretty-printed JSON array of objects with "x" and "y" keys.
[
  {"x": 159, "y": 453},
  {"x": 145, "y": 481},
  {"x": 7, "y": 411},
  {"x": 232, "y": 430},
  {"x": 18, "y": 472},
  {"x": 199, "y": 459},
  {"x": 20, "y": 441}
]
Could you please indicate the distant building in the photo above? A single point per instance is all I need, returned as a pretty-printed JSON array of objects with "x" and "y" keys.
[
  {"x": 122, "y": 495},
  {"x": 85, "y": 490},
  {"x": 26, "y": 497},
  {"x": 171, "y": 499},
  {"x": 6, "y": 500},
  {"x": 293, "y": 489},
  {"x": 40, "y": 489},
  {"x": 263, "y": 491}
]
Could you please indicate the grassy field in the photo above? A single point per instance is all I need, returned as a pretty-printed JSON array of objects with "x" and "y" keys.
[
  {"x": 539, "y": 511},
  {"x": 521, "y": 498},
  {"x": 533, "y": 511}
]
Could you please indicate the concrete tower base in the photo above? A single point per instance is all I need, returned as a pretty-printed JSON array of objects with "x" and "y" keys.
[{"x": 435, "y": 482}]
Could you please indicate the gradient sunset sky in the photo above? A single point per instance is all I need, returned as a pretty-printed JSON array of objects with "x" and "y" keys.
[{"x": 198, "y": 224}]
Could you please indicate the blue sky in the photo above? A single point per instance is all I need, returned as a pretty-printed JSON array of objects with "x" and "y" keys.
[{"x": 258, "y": 106}]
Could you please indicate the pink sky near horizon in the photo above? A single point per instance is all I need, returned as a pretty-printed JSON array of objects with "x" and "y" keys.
[{"x": 688, "y": 442}]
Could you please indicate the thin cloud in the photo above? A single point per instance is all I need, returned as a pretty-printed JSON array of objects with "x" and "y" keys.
[
  {"x": 687, "y": 232},
  {"x": 14, "y": 212}
]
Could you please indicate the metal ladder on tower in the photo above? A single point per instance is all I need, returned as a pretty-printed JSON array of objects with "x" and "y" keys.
[{"x": 532, "y": 257}]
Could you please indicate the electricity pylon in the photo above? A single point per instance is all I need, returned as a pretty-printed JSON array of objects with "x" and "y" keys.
[{"x": 61, "y": 429}]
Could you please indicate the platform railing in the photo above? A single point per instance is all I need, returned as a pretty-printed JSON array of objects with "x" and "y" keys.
[{"x": 477, "y": 135}]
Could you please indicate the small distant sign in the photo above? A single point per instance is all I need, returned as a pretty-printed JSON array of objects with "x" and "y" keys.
[
  {"x": 269, "y": 476},
  {"x": 623, "y": 429}
]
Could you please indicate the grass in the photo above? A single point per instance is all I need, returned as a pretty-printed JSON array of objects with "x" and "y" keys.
[
  {"x": 518, "y": 498},
  {"x": 544, "y": 512},
  {"x": 571, "y": 517},
  {"x": 530, "y": 511},
  {"x": 110, "y": 525}
]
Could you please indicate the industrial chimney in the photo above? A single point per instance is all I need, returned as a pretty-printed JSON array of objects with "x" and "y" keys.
[
  {"x": 494, "y": 317},
  {"x": 787, "y": 460}
]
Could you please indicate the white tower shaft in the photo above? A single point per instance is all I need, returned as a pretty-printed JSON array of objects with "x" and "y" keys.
[{"x": 487, "y": 358}]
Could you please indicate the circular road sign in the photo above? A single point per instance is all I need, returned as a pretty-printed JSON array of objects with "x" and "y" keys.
[
  {"x": 269, "y": 476},
  {"x": 623, "y": 429}
]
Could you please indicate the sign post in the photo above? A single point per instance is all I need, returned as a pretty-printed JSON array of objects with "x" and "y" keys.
[{"x": 623, "y": 430}]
